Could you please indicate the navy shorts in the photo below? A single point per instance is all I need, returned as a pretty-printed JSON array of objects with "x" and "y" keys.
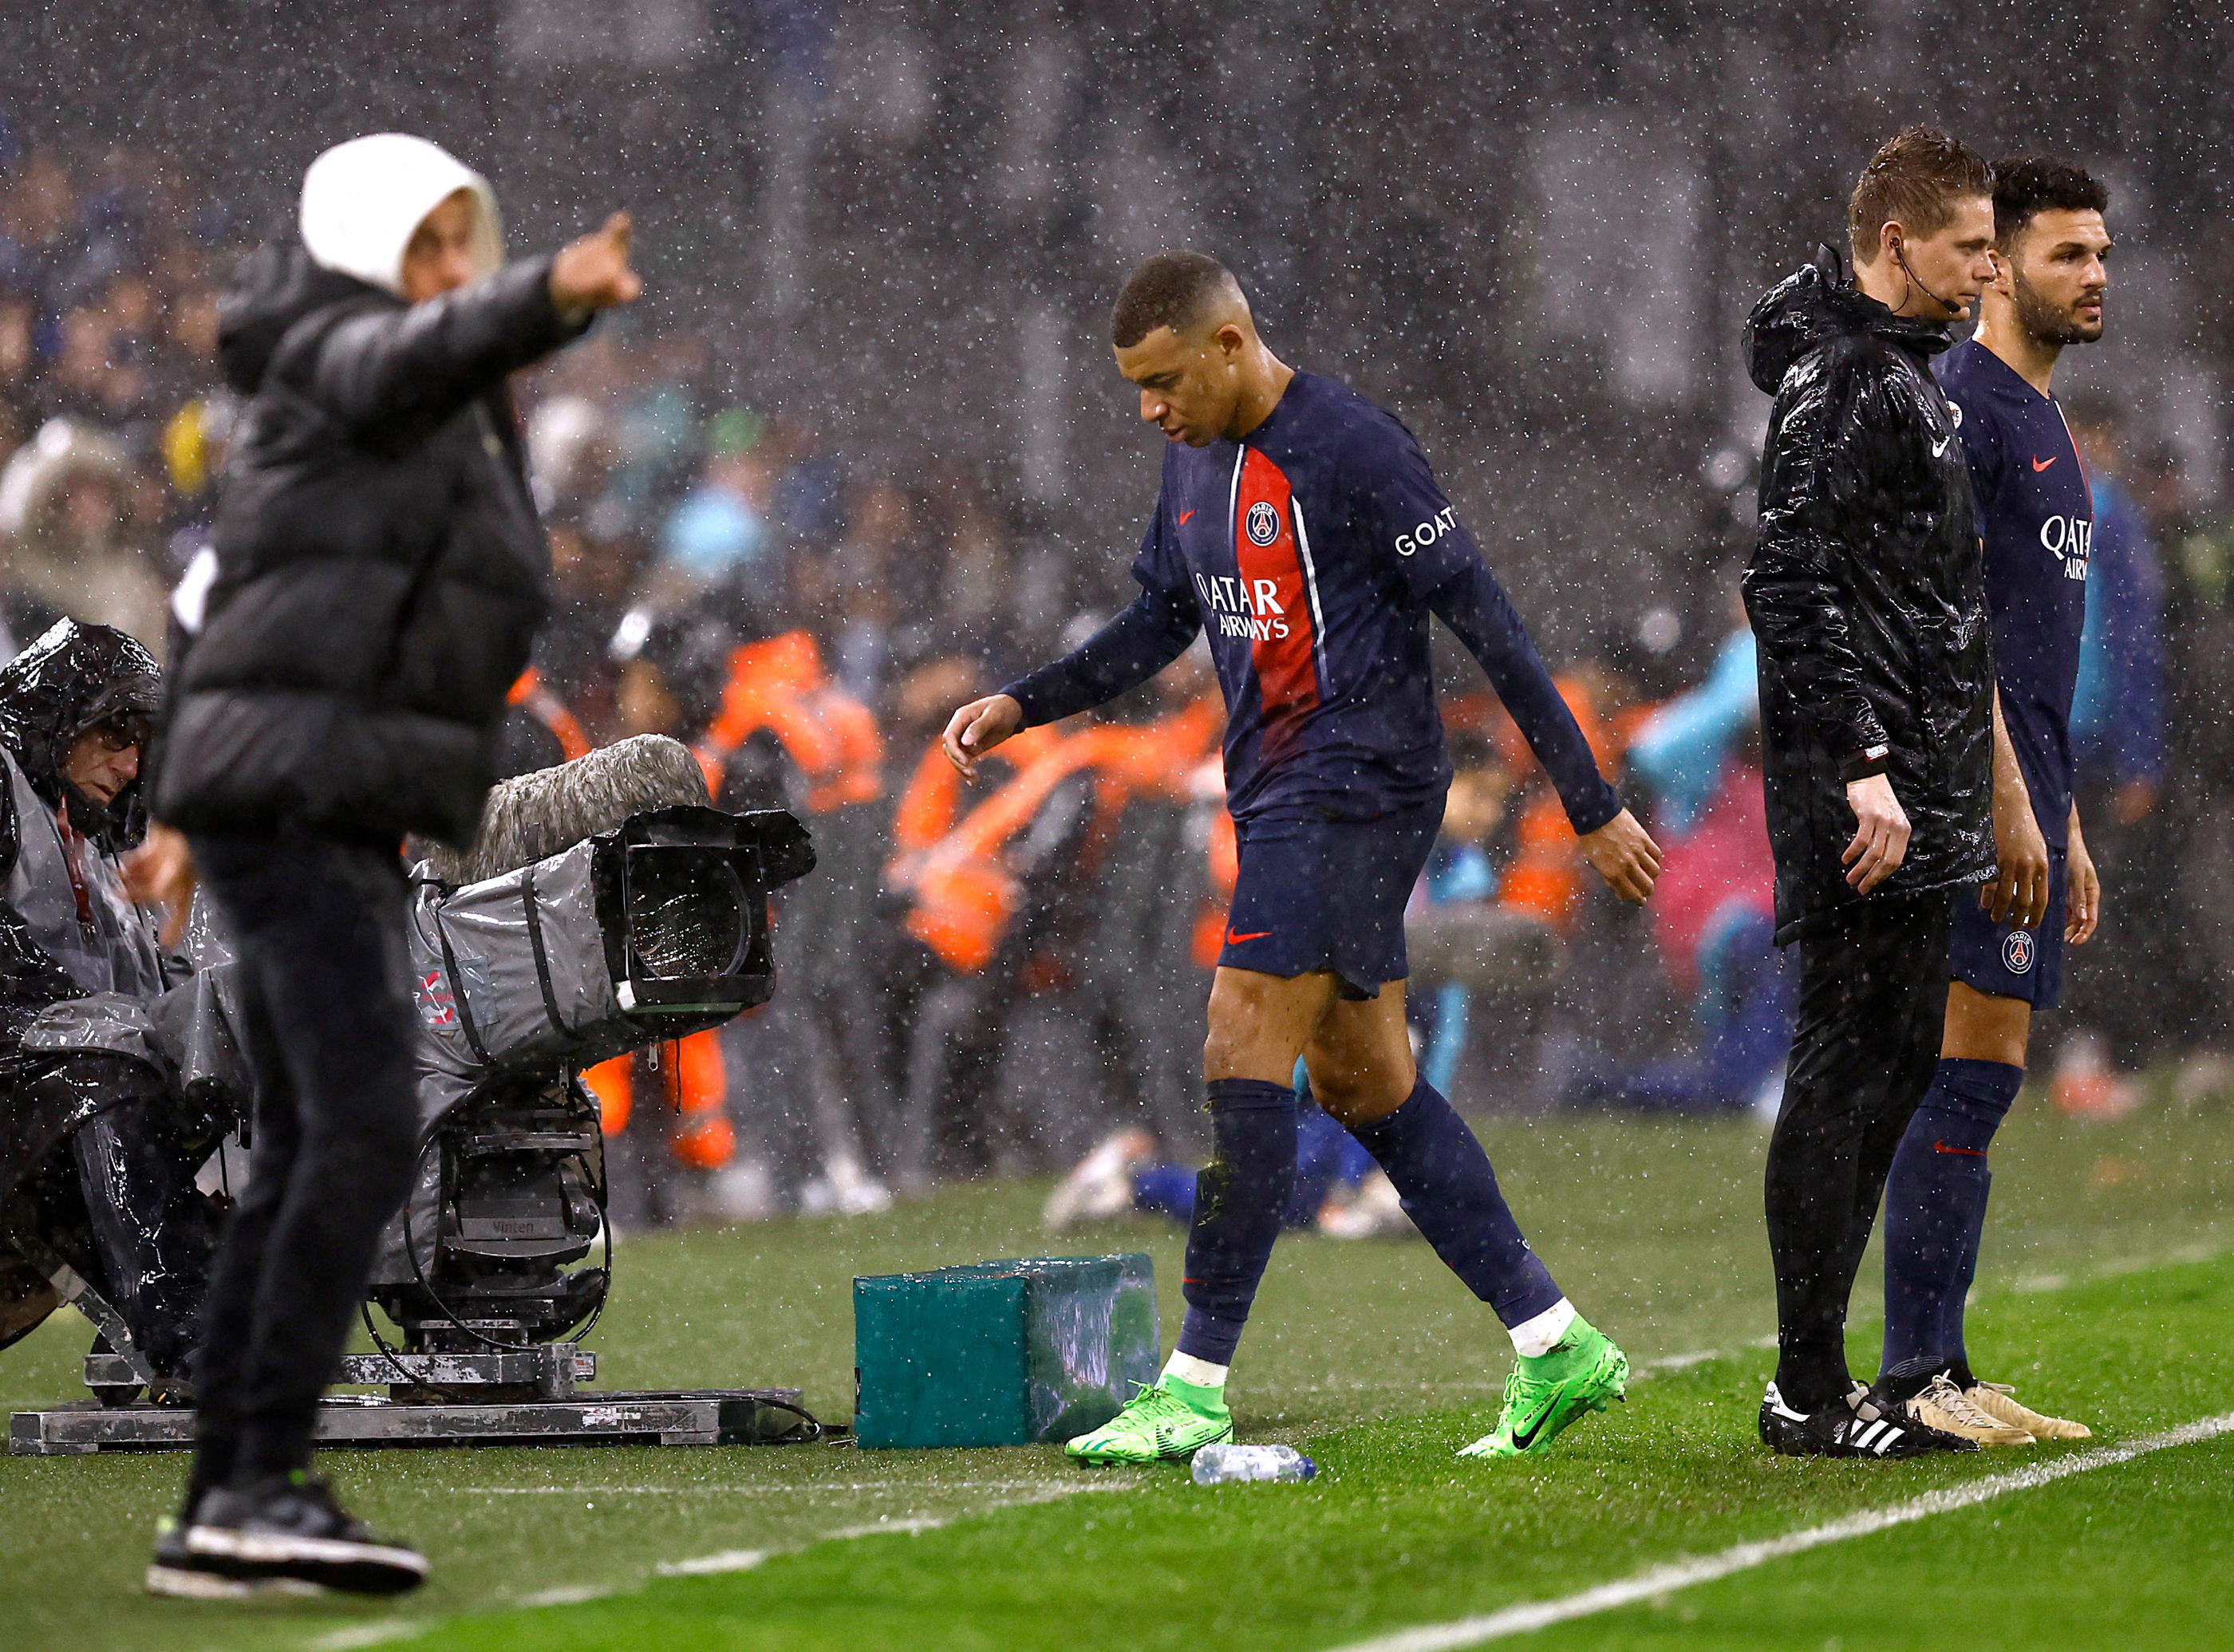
[
  {"x": 2006, "y": 962},
  {"x": 1328, "y": 896}
]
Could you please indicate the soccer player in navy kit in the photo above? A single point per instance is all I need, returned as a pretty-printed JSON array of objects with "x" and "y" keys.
[
  {"x": 1300, "y": 526},
  {"x": 2006, "y": 960}
]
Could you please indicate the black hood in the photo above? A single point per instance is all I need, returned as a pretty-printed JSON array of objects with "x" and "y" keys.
[
  {"x": 71, "y": 680},
  {"x": 1820, "y": 302},
  {"x": 273, "y": 288}
]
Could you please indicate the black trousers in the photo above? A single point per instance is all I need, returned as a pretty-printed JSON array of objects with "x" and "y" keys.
[
  {"x": 318, "y": 926},
  {"x": 1872, "y": 1006}
]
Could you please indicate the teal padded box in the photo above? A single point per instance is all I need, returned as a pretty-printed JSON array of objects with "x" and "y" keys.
[{"x": 1001, "y": 1352}]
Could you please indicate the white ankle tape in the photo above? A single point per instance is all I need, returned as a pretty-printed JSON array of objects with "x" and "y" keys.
[
  {"x": 1201, "y": 1372},
  {"x": 1536, "y": 1337}
]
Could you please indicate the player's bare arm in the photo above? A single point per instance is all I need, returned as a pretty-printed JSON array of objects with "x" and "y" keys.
[{"x": 2019, "y": 891}]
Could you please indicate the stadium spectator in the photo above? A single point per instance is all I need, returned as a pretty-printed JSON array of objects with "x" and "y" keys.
[
  {"x": 2126, "y": 987},
  {"x": 1712, "y": 914}
]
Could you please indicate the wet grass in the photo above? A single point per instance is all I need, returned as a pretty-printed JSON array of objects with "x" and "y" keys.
[{"x": 1369, "y": 1354}]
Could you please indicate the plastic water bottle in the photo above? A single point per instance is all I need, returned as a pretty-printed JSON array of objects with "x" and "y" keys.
[{"x": 1223, "y": 1465}]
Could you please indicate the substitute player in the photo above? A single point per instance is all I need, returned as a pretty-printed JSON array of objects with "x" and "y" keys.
[
  {"x": 1299, "y": 525},
  {"x": 2037, "y": 517}
]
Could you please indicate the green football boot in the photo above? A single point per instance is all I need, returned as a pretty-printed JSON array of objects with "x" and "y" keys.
[
  {"x": 1170, "y": 1419},
  {"x": 1543, "y": 1397}
]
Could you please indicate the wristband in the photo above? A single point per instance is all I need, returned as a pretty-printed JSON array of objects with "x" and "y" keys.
[{"x": 1871, "y": 760}]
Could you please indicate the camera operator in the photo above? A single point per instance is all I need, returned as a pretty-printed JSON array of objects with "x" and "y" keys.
[
  {"x": 376, "y": 575},
  {"x": 74, "y": 711}
]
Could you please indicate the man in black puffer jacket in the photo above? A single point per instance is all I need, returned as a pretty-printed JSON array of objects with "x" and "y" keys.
[
  {"x": 376, "y": 576},
  {"x": 1866, "y": 592}
]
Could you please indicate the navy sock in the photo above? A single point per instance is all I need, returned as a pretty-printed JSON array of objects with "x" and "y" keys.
[
  {"x": 1450, "y": 1193},
  {"x": 1935, "y": 1211},
  {"x": 1240, "y": 1196}
]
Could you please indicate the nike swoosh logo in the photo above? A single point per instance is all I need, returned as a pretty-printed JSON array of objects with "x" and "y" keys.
[
  {"x": 1522, "y": 1442},
  {"x": 1184, "y": 517},
  {"x": 1967, "y": 1152},
  {"x": 1232, "y": 939},
  {"x": 2039, "y": 465},
  {"x": 1940, "y": 445}
]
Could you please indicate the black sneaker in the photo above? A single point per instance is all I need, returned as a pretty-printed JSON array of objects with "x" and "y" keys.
[
  {"x": 176, "y": 1573},
  {"x": 1858, "y": 1426},
  {"x": 293, "y": 1529}
]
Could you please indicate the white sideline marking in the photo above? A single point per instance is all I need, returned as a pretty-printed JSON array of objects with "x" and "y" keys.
[
  {"x": 363, "y": 1635},
  {"x": 575, "y": 1594},
  {"x": 1682, "y": 1574},
  {"x": 804, "y": 1488},
  {"x": 710, "y": 1565},
  {"x": 358, "y": 1635}
]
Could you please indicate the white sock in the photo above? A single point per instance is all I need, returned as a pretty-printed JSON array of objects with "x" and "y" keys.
[
  {"x": 1201, "y": 1372},
  {"x": 1534, "y": 1338}
]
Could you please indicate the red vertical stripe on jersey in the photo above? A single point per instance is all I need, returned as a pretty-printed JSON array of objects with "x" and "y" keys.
[{"x": 1282, "y": 648}]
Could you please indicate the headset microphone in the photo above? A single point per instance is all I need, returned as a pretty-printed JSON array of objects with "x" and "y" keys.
[{"x": 1900, "y": 257}]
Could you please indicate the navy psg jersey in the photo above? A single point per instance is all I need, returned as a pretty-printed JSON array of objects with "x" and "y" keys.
[
  {"x": 2036, "y": 515},
  {"x": 1312, "y": 552}
]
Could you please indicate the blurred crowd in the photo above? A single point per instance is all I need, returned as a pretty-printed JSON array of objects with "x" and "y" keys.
[{"x": 994, "y": 978}]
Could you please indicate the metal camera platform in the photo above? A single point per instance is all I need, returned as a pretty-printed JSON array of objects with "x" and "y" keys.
[{"x": 530, "y": 1399}]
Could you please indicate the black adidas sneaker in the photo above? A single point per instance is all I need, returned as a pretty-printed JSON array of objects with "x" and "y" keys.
[
  {"x": 1858, "y": 1426},
  {"x": 292, "y": 1528}
]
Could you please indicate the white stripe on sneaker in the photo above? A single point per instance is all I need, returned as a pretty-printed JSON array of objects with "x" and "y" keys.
[{"x": 280, "y": 1549}]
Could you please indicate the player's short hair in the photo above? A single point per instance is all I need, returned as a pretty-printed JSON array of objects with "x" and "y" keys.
[
  {"x": 1169, "y": 290},
  {"x": 2027, "y": 185},
  {"x": 1914, "y": 179}
]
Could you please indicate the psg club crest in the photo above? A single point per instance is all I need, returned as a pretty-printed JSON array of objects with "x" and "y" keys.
[
  {"x": 1263, "y": 523},
  {"x": 2018, "y": 951}
]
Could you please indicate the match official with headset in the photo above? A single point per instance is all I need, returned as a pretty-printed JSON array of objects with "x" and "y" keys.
[
  {"x": 1867, "y": 591},
  {"x": 377, "y": 577}
]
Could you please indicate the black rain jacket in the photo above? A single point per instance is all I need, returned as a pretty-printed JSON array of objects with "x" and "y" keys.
[
  {"x": 1867, "y": 595},
  {"x": 380, "y": 569}
]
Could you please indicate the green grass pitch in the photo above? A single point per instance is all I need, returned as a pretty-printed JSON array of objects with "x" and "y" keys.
[{"x": 2106, "y": 1290}]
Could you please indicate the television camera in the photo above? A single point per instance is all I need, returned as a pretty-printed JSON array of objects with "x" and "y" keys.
[{"x": 603, "y": 907}]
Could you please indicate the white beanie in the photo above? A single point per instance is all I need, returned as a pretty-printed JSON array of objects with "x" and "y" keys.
[{"x": 364, "y": 199}]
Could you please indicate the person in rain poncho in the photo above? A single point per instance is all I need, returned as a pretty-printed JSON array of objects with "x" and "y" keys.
[
  {"x": 375, "y": 577},
  {"x": 75, "y": 709}
]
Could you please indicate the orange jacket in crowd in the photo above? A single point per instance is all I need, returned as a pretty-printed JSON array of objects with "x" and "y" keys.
[
  {"x": 1547, "y": 876},
  {"x": 831, "y": 737},
  {"x": 966, "y": 895},
  {"x": 693, "y": 1080},
  {"x": 547, "y": 708},
  {"x": 778, "y": 685}
]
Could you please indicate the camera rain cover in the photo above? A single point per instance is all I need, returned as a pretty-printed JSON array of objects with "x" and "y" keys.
[{"x": 652, "y": 930}]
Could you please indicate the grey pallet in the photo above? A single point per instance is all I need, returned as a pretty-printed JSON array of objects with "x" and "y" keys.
[{"x": 700, "y": 1417}]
